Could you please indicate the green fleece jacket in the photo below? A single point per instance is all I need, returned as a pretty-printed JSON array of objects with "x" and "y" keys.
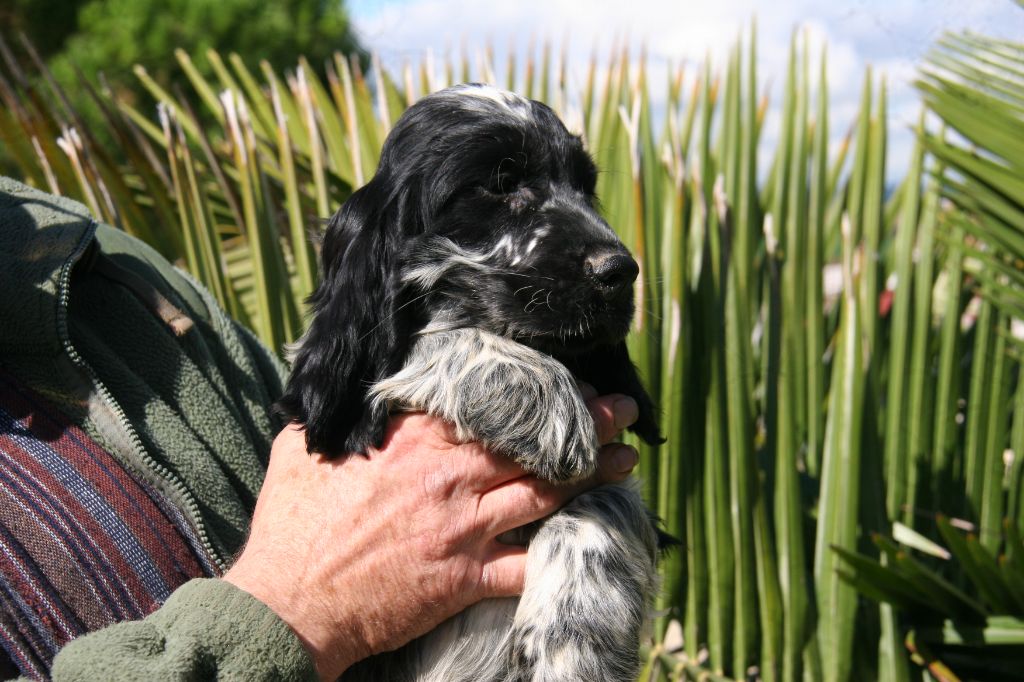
[{"x": 182, "y": 402}]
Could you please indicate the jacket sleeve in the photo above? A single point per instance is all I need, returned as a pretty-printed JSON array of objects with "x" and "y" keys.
[{"x": 208, "y": 629}]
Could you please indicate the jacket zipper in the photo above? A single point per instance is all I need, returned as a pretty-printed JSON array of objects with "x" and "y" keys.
[{"x": 191, "y": 506}]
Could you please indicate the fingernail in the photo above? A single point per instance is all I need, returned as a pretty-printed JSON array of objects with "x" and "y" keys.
[
  {"x": 624, "y": 459},
  {"x": 625, "y": 411}
]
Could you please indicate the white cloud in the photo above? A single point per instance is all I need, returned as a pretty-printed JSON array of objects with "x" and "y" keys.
[{"x": 892, "y": 35}]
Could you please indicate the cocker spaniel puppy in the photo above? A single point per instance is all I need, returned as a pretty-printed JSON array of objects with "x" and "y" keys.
[{"x": 473, "y": 278}]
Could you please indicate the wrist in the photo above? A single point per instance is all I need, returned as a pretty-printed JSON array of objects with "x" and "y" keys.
[{"x": 330, "y": 646}]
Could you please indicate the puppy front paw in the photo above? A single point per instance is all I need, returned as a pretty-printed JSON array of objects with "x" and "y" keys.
[
  {"x": 538, "y": 418},
  {"x": 515, "y": 400},
  {"x": 526, "y": 405}
]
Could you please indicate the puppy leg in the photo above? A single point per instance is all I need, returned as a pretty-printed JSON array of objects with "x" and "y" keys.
[
  {"x": 590, "y": 582},
  {"x": 468, "y": 647},
  {"x": 515, "y": 400}
]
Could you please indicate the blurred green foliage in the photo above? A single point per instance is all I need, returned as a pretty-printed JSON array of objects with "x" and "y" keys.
[
  {"x": 114, "y": 35},
  {"x": 47, "y": 23},
  {"x": 103, "y": 40}
]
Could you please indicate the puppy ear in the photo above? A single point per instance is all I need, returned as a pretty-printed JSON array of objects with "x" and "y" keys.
[
  {"x": 609, "y": 370},
  {"x": 354, "y": 337}
]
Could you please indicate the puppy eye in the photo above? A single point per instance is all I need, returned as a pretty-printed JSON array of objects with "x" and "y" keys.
[{"x": 505, "y": 182}]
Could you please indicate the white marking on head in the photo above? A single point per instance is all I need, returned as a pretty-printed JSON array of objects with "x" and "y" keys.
[
  {"x": 504, "y": 244},
  {"x": 441, "y": 256},
  {"x": 511, "y": 102}
]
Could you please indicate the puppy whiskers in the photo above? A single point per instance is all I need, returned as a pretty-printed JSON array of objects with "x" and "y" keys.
[{"x": 535, "y": 301}]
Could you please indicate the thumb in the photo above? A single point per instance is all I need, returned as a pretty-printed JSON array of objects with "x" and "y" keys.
[{"x": 504, "y": 572}]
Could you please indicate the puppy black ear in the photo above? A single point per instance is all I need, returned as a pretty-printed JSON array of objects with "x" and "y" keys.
[
  {"x": 354, "y": 337},
  {"x": 609, "y": 370}
]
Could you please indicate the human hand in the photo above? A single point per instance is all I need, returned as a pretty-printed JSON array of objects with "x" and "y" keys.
[{"x": 362, "y": 554}]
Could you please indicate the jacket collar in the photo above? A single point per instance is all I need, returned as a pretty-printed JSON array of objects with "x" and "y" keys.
[{"x": 41, "y": 238}]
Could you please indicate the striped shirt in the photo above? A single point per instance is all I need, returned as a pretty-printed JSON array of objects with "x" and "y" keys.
[{"x": 83, "y": 543}]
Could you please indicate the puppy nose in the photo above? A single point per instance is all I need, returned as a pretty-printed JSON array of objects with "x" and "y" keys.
[{"x": 613, "y": 272}]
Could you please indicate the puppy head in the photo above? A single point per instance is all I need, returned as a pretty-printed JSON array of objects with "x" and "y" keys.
[
  {"x": 513, "y": 243},
  {"x": 481, "y": 214}
]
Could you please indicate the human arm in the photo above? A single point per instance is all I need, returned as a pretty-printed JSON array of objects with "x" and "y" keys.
[
  {"x": 418, "y": 521},
  {"x": 357, "y": 555}
]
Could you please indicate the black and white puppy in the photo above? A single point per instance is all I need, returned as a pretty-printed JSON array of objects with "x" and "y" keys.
[{"x": 473, "y": 278}]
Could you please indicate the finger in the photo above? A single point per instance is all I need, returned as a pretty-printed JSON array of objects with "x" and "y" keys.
[
  {"x": 586, "y": 390},
  {"x": 612, "y": 413},
  {"x": 615, "y": 462},
  {"x": 483, "y": 470},
  {"x": 525, "y": 500},
  {"x": 504, "y": 572},
  {"x": 471, "y": 464}
]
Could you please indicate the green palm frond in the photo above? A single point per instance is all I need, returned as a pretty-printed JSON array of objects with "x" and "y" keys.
[
  {"x": 963, "y": 601},
  {"x": 975, "y": 85}
]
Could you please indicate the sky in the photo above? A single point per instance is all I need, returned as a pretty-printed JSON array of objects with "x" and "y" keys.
[{"x": 890, "y": 35}]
